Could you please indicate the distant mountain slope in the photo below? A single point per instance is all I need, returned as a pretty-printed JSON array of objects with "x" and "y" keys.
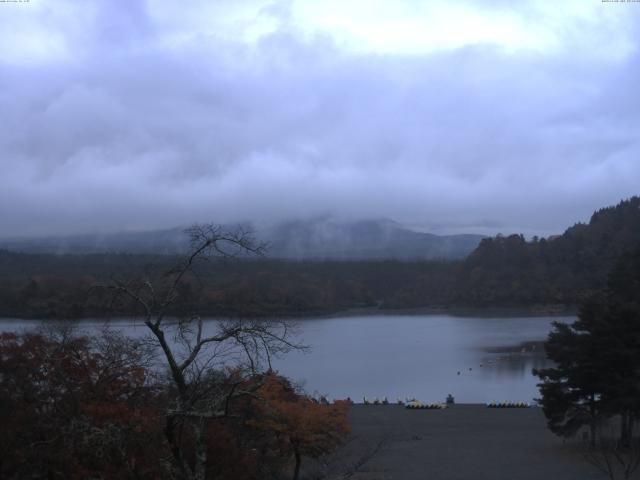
[
  {"x": 540, "y": 275},
  {"x": 367, "y": 239},
  {"x": 169, "y": 241},
  {"x": 311, "y": 239},
  {"x": 560, "y": 269}
]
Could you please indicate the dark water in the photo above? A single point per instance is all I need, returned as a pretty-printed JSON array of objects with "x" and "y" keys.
[{"x": 421, "y": 356}]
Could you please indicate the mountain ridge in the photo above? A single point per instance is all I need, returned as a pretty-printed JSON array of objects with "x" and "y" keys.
[
  {"x": 541, "y": 275},
  {"x": 319, "y": 238}
]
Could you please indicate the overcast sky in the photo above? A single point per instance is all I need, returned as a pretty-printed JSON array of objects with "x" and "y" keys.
[{"x": 448, "y": 116}]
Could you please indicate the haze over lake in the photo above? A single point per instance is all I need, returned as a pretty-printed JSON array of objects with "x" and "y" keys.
[{"x": 407, "y": 355}]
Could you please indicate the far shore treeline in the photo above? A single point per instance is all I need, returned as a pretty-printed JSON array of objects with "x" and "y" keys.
[{"x": 540, "y": 274}]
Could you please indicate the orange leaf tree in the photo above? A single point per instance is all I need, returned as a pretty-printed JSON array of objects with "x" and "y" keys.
[{"x": 301, "y": 425}]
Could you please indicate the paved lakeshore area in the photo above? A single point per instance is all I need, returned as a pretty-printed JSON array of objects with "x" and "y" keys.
[{"x": 460, "y": 442}]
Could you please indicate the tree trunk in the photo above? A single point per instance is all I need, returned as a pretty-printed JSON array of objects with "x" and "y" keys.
[
  {"x": 624, "y": 429},
  {"x": 200, "y": 467},
  {"x": 593, "y": 425},
  {"x": 296, "y": 471},
  {"x": 176, "y": 452}
]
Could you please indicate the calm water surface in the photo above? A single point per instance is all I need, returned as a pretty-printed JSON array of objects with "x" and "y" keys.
[{"x": 421, "y": 356}]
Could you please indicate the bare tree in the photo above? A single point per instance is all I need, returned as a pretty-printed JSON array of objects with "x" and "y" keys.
[{"x": 195, "y": 353}]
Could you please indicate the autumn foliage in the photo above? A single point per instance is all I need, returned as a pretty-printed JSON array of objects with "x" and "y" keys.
[
  {"x": 267, "y": 435},
  {"x": 302, "y": 426},
  {"x": 72, "y": 407}
]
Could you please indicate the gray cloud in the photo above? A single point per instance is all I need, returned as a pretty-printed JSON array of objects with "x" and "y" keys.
[{"x": 129, "y": 131}]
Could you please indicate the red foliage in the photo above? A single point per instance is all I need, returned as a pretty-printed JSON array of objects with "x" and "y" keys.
[
  {"x": 302, "y": 425},
  {"x": 74, "y": 408}
]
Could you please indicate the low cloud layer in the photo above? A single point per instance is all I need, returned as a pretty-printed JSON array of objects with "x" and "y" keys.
[{"x": 122, "y": 115}]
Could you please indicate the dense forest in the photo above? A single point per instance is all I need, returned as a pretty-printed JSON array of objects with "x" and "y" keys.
[
  {"x": 503, "y": 271},
  {"x": 561, "y": 269}
]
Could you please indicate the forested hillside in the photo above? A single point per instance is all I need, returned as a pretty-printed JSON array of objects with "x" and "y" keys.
[
  {"x": 560, "y": 269},
  {"x": 501, "y": 272},
  {"x": 54, "y": 286}
]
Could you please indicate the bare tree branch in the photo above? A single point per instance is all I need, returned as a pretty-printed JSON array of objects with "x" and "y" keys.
[{"x": 201, "y": 393}]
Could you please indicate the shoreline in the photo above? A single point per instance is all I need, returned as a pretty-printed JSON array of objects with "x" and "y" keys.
[
  {"x": 454, "y": 311},
  {"x": 463, "y": 311}
]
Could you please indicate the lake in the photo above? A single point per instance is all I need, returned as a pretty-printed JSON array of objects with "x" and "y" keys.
[{"x": 476, "y": 359}]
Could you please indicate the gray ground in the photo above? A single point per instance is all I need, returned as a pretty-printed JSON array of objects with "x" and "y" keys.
[{"x": 462, "y": 442}]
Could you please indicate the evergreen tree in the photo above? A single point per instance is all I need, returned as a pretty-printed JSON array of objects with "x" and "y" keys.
[
  {"x": 597, "y": 372},
  {"x": 620, "y": 338},
  {"x": 572, "y": 390}
]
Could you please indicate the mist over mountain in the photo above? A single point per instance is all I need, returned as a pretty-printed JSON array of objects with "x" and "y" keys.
[
  {"x": 318, "y": 238},
  {"x": 164, "y": 242},
  {"x": 326, "y": 238},
  {"x": 543, "y": 274}
]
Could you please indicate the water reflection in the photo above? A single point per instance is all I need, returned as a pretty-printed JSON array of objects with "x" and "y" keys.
[{"x": 516, "y": 360}]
